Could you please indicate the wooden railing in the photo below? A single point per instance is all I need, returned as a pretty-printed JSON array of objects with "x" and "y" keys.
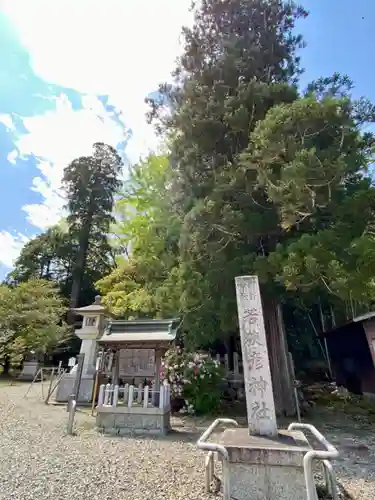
[{"x": 132, "y": 396}]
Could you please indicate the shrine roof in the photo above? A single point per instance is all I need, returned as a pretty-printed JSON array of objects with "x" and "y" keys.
[{"x": 142, "y": 330}]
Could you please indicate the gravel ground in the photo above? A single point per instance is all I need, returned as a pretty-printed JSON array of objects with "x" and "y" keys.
[
  {"x": 38, "y": 460},
  {"x": 355, "y": 441}
]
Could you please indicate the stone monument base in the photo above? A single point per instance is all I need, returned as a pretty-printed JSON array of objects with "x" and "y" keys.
[
  {"x": 122, "y": 420},
  {"x": 260, "y": 468},
  {"x": 29, "y": 370},
  {"x": 66, "y": 385}
]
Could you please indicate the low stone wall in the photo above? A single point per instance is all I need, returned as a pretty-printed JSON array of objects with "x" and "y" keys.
[{"x": 122, "y": 420}]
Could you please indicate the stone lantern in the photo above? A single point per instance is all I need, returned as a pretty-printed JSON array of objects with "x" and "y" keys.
[{"x": 93, "y": 323}]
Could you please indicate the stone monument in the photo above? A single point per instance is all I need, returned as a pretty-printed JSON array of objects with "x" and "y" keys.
[
  {"x": 30, "y": 367},
  {"x": 263, "y": 463},
  {"x": 92, "y": 328}
]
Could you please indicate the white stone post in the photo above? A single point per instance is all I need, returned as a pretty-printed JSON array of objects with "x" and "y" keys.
[
  {"x": 126, "y": 394},
  {"x": 131, "y": 396},
  {"x": 260, "y": 403},
  {"x": 167, "y": 393},
  {"x": 153, "y": 393},
  {"x": 115, "y": 395},
  {"x": 161, "y": 397},
  {"x": 107, "y": 395},
  {"x": 139, "y": 394},
  {"x": 145, "y": 400},
  {"x": 88, "y": 347},
  {"x": 101, "y": 395}
]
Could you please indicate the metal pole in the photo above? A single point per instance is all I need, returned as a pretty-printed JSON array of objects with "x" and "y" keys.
[
  {"x": 50, "y": 386},
  {"x": 72, "y": 412},
  {"x": 42, "y": 381},
  {"x": 77, "y": 382},
  {"x": 57, "y": 381},
  {"x": 295, "y": 385},
  {"x": 32, "y": 383},
  {"x": 94, "y": 392}
]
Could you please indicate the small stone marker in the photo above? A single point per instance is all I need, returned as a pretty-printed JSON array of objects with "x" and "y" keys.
[
  {"x": 260, "y": 403},
  {"x": 71, "y": 362}
]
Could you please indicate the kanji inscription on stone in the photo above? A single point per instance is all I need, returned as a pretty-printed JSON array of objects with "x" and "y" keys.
[{"x": 260, "y": 403}]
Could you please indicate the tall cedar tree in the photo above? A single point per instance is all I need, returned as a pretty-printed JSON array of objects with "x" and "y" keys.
[
  {"x": 239, "y": 60},
  {"x": 90, "y": 183}
]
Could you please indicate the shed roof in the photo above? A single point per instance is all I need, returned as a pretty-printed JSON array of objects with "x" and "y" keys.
[
  {"x": 139, "y": 331},
  {"x": 358, "y": 319}
]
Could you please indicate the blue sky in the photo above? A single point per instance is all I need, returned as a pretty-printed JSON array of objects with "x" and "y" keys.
[{"x": 66, "y": 83}]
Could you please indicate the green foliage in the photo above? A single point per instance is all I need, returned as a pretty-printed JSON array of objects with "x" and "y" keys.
[
  {"x": 30, "y": 319},
  {"x": 195, "y": 378},
  {"x": 51, "y": 256},
  {"x": 264, "y": 181},
  {"x": 261, "y": 179},
  {"x": 143, "y": 284},
  {"x": 311, "y": 160},
  {"x": 304, "y": 153}
]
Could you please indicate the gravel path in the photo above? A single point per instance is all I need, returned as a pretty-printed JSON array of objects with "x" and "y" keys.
[{"x": 38, "y": 461}]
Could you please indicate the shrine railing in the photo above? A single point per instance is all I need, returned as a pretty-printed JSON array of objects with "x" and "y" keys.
[
  {"x": 325, "y": 456},
  {"x": 132, "y": 396}
]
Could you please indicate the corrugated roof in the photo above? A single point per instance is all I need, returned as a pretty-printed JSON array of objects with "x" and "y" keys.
[{"x": 148, "y": 330}]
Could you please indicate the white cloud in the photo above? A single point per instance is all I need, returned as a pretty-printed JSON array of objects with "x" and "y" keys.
[
  {"x": 119, "y": 48},
  {"x": 7, "y": 121},
  {"x": 57, "y": 137},
  {"x": 10, "y": 246},
  {"x": 12, "y": 156}
]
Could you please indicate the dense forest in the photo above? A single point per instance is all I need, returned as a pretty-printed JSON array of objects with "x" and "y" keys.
[{"x": 258, "y": 176}]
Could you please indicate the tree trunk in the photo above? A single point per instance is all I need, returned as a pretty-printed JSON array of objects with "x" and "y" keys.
[
  {"x": 79, "y": 269},
  {"x": 6, "y": 367},
  {"x": 278, "y": 355}
]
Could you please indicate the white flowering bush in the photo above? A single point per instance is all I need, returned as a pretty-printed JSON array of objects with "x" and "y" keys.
[{"x": 195, "y": 379}]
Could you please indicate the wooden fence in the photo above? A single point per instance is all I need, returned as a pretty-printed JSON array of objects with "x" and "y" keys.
[
  {"x": 234, "y": 374},
  {"x": 132, "y": 396}
]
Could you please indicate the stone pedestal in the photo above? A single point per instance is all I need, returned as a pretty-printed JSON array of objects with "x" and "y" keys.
[
  {"x": 264, "y": 468},
  {"x": 66, "y": 385},
  {"x": 29, "y": 370},
  {"x": 121, "y": 420}
]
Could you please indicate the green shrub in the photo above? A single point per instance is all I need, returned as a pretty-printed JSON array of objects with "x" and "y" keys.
[{"x": 196, "y": 378}]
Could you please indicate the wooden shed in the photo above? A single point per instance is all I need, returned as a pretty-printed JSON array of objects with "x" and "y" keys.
[{"x": 351, "y": 349}]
